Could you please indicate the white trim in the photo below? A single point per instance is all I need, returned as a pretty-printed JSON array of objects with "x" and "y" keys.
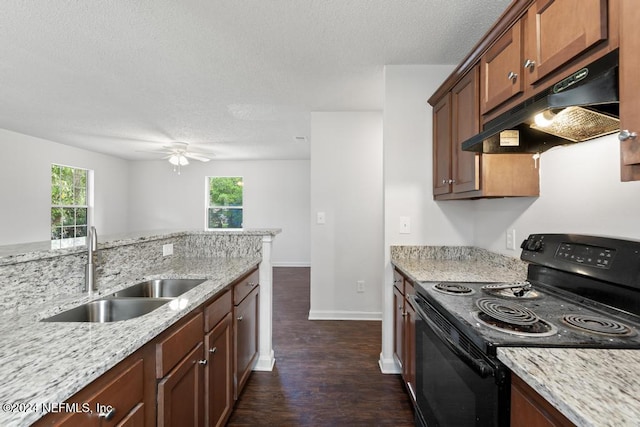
[
  {"x": 345, "y": 315},
  {"x": 292, "y": 264},
  {"x": 388, "y": 366},
  {"x": 265, "y": 363}
]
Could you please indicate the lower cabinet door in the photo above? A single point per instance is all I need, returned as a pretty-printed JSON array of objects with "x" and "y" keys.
[
  {"x": 246, "y": 339},
  {"x": 218, "y": 373},
  {"x": 181, "y": 392}
]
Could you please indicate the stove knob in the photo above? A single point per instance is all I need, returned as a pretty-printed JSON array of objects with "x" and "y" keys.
[{"x": 534, "y": 246}]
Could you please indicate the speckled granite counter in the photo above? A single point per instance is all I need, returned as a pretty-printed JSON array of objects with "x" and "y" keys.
[
  {"x": 590, "y": 387},
  {"x": 456, "y": 264},
  {"x": 43, "y": 362}
]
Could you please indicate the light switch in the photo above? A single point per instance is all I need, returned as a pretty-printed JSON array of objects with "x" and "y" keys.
[
  {"x": 405, "y": 225},
  {"x": 320, "y": 218}
]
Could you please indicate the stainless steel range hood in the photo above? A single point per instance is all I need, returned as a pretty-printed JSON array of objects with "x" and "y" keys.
[{"x": 580, "y": 107}]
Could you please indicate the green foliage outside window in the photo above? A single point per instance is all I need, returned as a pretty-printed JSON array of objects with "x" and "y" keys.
[
  {"x": 225, "y": 202},
  {"x": 68, "y": 203}
]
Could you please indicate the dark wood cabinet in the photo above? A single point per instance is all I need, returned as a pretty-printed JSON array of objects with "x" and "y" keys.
[
  {"x": 501, "y": 69},
  {"x": 181, "y": 392},
  {"x": 442, "y": 146},
  {"x": 218, "y": 373},
  {"x": 120, "y": 397},
  {"x": 245, "y": 326},
  {"x": 404, "y": 331},
  {"x": 560, "y": 30},
  {"x": 629, "y": 90},
  {"x": 398, "y": 326},
  {"x": 529, "y": 409},
  {"x": 465, "y": 104}
]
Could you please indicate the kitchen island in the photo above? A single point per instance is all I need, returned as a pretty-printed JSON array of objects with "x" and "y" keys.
[
  {"x": 590, "y": 387},
  {"x": 45, "y": 363}
]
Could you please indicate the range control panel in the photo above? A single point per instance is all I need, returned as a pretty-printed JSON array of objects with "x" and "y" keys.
[
  {"x": 605, "y": 258},
  {"x": 589, "y": 255}
]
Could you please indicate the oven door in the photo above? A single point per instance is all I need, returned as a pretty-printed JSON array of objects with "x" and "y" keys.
[{"x": 456, "y": 384}]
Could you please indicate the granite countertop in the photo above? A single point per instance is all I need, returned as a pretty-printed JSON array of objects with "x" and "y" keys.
[
  {"x": 456, "y": 264},
  {"x": 46, "y": 362},
  {"x": 591, "y": 387}
]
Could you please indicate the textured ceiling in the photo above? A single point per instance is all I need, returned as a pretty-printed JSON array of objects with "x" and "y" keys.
[{"x": 238, "y": 78}]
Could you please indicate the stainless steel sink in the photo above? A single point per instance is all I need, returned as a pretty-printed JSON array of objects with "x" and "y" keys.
[
  {"x": 159, "y": 288},
  {"x": 108, "y": 310}
]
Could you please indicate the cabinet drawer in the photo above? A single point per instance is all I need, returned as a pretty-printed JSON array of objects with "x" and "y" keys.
[
  {"x": 171, "y": 349},
  {"x": 215, "y": 312},
  {"x": 117, "y": 398},
  {"x": 244, "y": 286},
  {"x": 398, "y": 281}
]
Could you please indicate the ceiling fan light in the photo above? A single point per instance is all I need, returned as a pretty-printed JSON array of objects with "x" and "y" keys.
[{"x": 178, "y": 160}]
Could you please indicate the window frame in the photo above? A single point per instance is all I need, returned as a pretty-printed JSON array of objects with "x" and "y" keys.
[
  {"x": 208, "y": 206},
  {"x": 69, "y": 242}
]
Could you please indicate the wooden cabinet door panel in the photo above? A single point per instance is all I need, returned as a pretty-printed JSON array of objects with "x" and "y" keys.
[
  {"x": 218, "y": 374},
  {"x": 465, "y": 105},
  {"x": 398, "y": 326},
  {"x": 442, "y": 146},
  {"x": 559, "y": 30},
  {"x": 177, "y": 344},
  {"x": 244, "y": 286},
  {"x": 501, "y": 69},
  {"x": 629, "y": 88},
  {"x": 246, "y": 340},
  {"x": 181, "y": 392}
]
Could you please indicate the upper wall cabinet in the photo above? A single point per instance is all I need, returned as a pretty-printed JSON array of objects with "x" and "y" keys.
[
  {"x": 501, "y": 69},
  {"x": 547, "y": 37},
  {"x": 559, "y": 30},
  {"x": 629, "y": 91}
]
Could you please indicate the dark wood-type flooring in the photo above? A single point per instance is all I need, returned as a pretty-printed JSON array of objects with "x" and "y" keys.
[{"x": 326, "y": 372}]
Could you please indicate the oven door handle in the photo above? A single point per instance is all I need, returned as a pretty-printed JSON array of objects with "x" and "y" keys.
[{"x": 480, "y": 366}]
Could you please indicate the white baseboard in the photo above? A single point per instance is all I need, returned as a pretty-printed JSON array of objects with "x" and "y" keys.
[
  {"x": 388, "y": 365},
  {"x": 344, "y": 315},
  {"x": 291, "y": 264},
  {"x": 265, "y": 363}
]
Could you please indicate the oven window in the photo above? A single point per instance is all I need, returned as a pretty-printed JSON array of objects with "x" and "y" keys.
[{"x": 449, "y": 392}]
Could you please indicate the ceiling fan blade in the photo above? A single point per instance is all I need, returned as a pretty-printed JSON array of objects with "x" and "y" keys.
[{"x": 196, "y": 157}]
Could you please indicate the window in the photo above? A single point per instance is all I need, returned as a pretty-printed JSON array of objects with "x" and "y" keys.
[
  {"x": 224, "y": 205},
  {"x": 69, "y": 206}
]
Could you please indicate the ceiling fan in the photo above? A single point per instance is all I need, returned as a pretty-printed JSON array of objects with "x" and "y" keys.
[{"x": 178, "y": 155}]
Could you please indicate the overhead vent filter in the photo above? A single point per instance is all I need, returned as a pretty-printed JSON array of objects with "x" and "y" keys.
[{"x": 578, "y": 124}]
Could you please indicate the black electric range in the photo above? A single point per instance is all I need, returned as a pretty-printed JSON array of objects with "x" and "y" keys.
[{"x": 580, "y": 292}]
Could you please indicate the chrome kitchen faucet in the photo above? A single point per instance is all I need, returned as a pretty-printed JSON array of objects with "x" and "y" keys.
[{"x": 92, "y": 259}]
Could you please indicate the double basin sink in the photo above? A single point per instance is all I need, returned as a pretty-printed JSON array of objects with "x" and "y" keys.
[{"x": 128, "y": 303}]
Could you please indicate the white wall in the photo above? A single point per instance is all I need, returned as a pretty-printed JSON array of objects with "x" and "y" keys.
[
  {"x": 276, "y": 195},
  {"x": 25, "y": 193},
  {"x": 346, "y": 184},
  {"x": 580, "y": 192},
  {"x": 408, "y": 180}
]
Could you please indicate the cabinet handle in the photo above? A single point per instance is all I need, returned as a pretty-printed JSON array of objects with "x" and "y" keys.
[
  {"x": 444, "y": 182},
  {"x": 107, "y": 415},
  {"x": 512, "y": 76},
  {"x": 251, "y": 283},
  {"x": 239, "y": 318},
  {"x": 400, "y": 307},
  {"x": 529, "y": 64},
  {"x": 213, "y": 350},
  {"x": 404, "y": 314},
  {"x": 626, "y": 134},
  {"x": 452, "y": 181},
  {"x": 202, "y": 362}
]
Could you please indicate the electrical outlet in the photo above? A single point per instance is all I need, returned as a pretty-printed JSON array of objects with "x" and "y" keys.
[
  {"x": 360, "y": 286},
  {"x": 167, "y": 249},
  {"x": 511, "y": 239}
]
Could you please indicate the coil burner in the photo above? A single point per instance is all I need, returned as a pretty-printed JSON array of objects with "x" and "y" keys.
[
  {"x": 598, "y": 325},
  {"x": 506, "y": 316},
  {"x": 453, "y": 288},
  {"x": 522, "y": 290}
]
